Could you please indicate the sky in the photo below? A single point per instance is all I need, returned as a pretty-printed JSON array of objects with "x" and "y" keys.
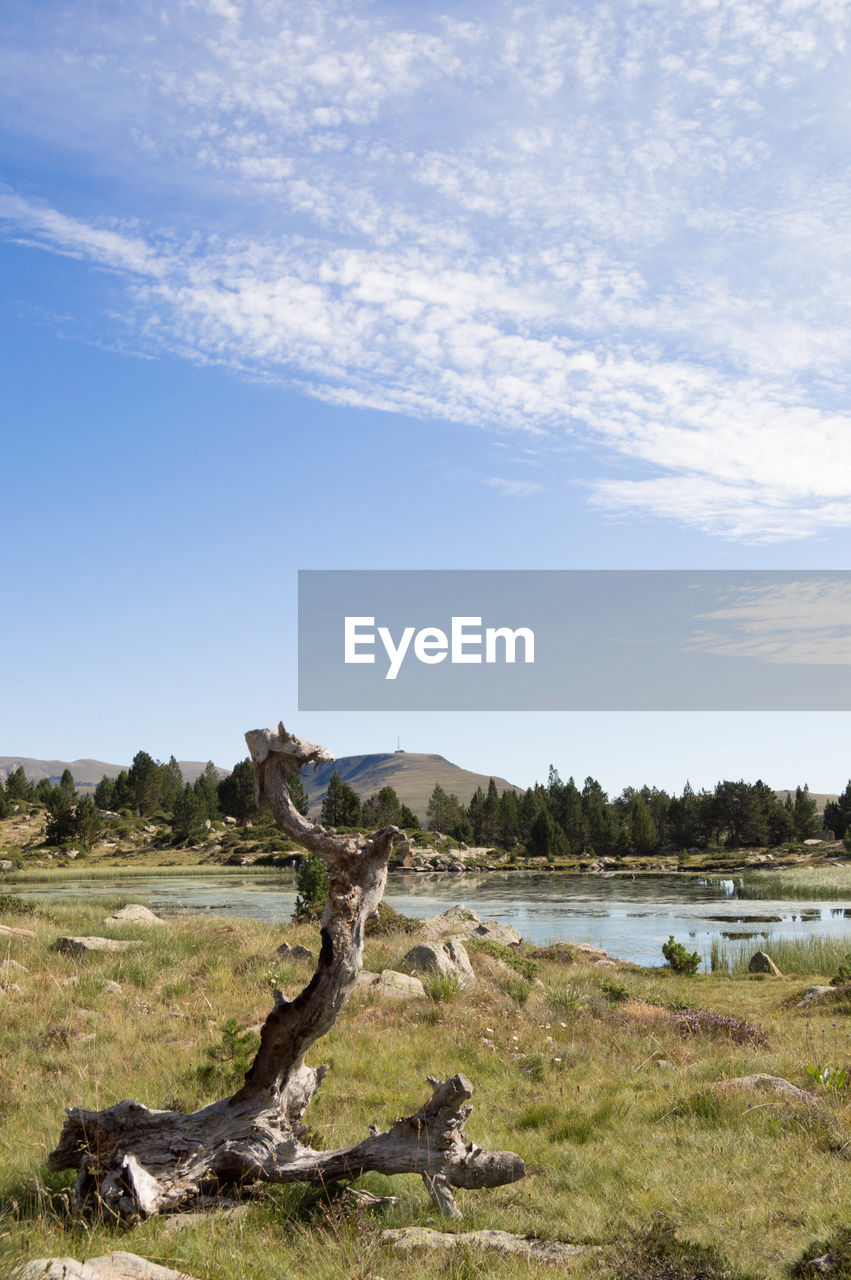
[{"x": 385, "y": 286}]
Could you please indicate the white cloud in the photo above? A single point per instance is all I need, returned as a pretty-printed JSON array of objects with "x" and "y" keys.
[
  {"x": 621, "y": 225},
  {"x": 804, "y": 620}
]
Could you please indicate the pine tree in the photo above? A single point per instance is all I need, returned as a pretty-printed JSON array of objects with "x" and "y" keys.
[
  {"x": 206, "y": 789},
  {"x": 408, "y": 820},
  {"x": 66, "y": 785},
  {"x": 236, "y": 792},
  {"x": 298, "y": 795},
  {"x": 187, "y": 820},
  {"x": 837, "y": 813},
  {"x": 643, "y": 833},
  {"x": 805, "y": 812},
  {"x": 105, "y": 793},
  {"x": 145, "y": 778},
  {"x": 88, "y": 825}
]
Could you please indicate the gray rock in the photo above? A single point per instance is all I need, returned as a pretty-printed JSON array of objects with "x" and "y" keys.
[
  {"x": 72, "y": 853},
  {"x": 449, "y": 957},
  {"x": 5, "y": 864},
  {"x": 552, "y": 1252},
  {"x": 297, "y": 952},
  {"x": 8, "y": 964},
  {"x": 770, "y": 1084},
  {"x": 112, "y": 1266},
  {"x": 79, "y": 946},
  {"x": 813, "y": 995},
  {"x": 396, "y": 986},
  {"x": 229, "y": 822},
  {"x": 462, "y": 922},
  {"x": 7, "y": 931},
  {"x": 133, "y": 913},
  {"x": 761, "y": 962}
]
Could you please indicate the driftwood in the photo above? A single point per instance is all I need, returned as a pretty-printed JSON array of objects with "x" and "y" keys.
[{"x": 133, "y": 1161}]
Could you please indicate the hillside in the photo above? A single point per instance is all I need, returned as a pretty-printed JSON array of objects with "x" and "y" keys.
[
  {"x": 87, "y": 773},
  {"x": 411, "y": 774}
]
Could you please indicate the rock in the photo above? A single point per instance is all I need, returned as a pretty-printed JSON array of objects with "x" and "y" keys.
[
  {"x": 297, "y": 952},
  {"x": 79, "y": 946},
  {"x": 111, "y": 988},
  {"x": 6, "y": 931},
  {"x": 462, "y": 922},
  {"x": 770, "y": 1084},
  {"x": 553, "y": 1252},
  {"x": 112, "y": 1266},
  {"x": 761, "y": 962},
  {"x": 133, "y": 913},
  {"x": 13, "y": 988},
  {"x": 229, "y": 822},
  {"x": 449, "y": 957},
  {"x": 106, "y": 813},
  {"x": 9, "y": 964},
  {"x": 180, "y": 1221},
  {"x": 396, "y": 986},
  {"x": 5, "y": 864},
  {"x": 587, "y": 952},
  {"x": 812, "y": 842},
  {"x": 813, "y": 995},
  {"x": 72, "y": 853}
]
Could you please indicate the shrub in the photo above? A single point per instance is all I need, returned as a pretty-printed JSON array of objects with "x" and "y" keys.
[
  {"x": 312, "y": 885},
  {"x": 389, "y": 921},
  {"x": 680, "y": 960}
]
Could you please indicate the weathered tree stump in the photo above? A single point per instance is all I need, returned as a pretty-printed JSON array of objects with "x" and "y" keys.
[{"x": 133, "y": 1161}]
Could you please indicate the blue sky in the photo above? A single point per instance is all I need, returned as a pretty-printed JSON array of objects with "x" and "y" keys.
[{"x": 393, "y": 286}]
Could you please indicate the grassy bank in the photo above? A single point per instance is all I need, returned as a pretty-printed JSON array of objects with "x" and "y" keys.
[
  {"x": 800, "y": 956},
  {"x": 604, "y": 1091}
]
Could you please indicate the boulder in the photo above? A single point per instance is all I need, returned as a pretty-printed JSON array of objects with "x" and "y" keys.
[
  {"x": 761, "y": 962},
  {"x": 297, "y": 952},
  {"x": 112, "y": 1266},
  {"x": 813, "y": 995},
  {"x": 396, "y": 986},
  {"x": 7, "y": 931},
  {"x": 8, "y": 964},
  {"x": 449, "y": 957},
  {"x": 133, "y": 913},
  {"x": 770, "y": 1084},
  {"x": 551, "y": 1252},
  {"x": 80, "y": 946},
  {"x": 462, "y": 922},
  {"x": 6, "y": 865}
]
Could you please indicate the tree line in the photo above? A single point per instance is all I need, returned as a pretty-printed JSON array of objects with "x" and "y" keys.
[
  {"x": 560, "y": 818},
  {"x": 549, "y": 820}
]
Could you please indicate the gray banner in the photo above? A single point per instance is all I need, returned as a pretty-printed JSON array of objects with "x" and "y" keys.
[{"x": 574, "y": 640}]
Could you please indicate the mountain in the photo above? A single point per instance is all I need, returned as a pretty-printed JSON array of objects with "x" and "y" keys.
[
  {"x": 87, "y": 773},
  {"x": 411, "y": 774}
]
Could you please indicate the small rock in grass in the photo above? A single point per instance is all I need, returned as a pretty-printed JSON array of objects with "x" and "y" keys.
[
  {"x": 133, "y": 913},
  {"x": 80, "y": 946},
  {"x": 298, "y": 952},
  {"x": 761, "y": 962}
]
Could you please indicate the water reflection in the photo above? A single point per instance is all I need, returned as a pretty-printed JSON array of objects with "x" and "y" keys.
[{"x": 630, "y": 918}]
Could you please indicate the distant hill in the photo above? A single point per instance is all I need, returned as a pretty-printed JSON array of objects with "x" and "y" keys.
[
  {"x": 821, "y": 797},
  {"x": 88, "y": 773},
  {"x": 411, "y": 774}
]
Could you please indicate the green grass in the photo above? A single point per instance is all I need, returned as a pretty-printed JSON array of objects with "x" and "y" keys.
[
  {"x": 804, "y": 956},
  {"x": 825, "y": 883},
  {"x": 569, "y": 1079}
]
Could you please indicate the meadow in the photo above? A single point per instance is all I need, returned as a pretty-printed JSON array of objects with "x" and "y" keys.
[{"x": 593, "y": 1074}]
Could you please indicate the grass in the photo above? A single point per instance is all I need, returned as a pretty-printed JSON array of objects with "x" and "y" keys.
[
  {"x": 826, "y": 883},
  {"x": 803, "y": 956},
  {"x": 609, "y": 1103}
]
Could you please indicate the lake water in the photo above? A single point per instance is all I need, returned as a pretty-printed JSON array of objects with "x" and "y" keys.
[{"x": 628, "y": 918}]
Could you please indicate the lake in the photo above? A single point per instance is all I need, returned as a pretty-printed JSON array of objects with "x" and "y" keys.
[{"x": 628, "y": 918}]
